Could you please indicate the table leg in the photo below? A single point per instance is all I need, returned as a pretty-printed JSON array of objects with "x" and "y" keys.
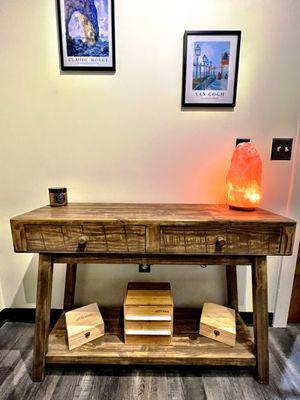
[
  {"x": 42, "y": 316},
  {"x": 260, "y": 317},
  {"x": 232, "y": 291},
  {"x": 70, "y": 286}
]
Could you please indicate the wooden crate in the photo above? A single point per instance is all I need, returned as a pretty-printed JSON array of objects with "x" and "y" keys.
[
  {"x": 218, "y": 323},
  {"x": 148, "y": 314},
  {"x": 84, "y": 325}
]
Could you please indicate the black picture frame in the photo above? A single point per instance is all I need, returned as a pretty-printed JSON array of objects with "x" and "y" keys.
[
  {"x": 203, "y": 96},
  {"x": 112, "y": 46}
]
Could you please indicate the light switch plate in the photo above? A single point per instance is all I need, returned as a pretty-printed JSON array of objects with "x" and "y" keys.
[{"x": 281, "y": 149}]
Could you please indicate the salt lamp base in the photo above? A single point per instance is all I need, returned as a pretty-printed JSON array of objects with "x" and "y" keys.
[{"x": 242, "y": 208}]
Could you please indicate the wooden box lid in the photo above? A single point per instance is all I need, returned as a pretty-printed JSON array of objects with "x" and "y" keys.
[
  {"x": 148, "y": 294},
  {"x": 218, "y": 323},
  {"x": 83, "y": 325}
]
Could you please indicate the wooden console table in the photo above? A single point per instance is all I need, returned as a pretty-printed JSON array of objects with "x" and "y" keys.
[{"x": 152, "y": 234}]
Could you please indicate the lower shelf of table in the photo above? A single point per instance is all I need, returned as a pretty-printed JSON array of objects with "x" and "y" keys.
[{"x": 188, "y": 347}]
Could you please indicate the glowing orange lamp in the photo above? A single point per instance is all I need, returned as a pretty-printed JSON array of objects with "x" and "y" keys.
[{"x": 243, "y": 181}]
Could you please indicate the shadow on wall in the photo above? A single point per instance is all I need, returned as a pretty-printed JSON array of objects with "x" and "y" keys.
[
  {"x": 109, "y": 291},
  {"x": 26, "y": 293},
  {"x": 27, "y": 287},
  {"x": 191, "y": 285},
  {"x": 242, "y": 277}
]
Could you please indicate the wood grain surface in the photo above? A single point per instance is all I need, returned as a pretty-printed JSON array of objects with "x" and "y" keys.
[
  {"x": 70, "y": 283},
  {"x": 42, "y": 316},
  {"x": 232, "y": 289},
  {"x": 134, "y": 212},
  {"x": 218, "y": 322},
  {"x": 159, "y": 259},
  {"x": 148, "y": 300},
  {"x": 260, "y": 317},
  {"x": 188, "y": 347},
  {"x": 83, "y": 324},
  {"x": 153, "y": 234},
  {"x": 145, "y": 382},
  {"x": 152, "y": 228}
]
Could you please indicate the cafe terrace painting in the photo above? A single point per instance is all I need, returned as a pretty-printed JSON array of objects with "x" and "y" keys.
[
  {"x": 210, "y": 68},
  {"x": 211, "y": 65}
]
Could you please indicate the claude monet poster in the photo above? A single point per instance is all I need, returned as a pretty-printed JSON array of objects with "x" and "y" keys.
[
  {"x": 87, "y": 34},
  {"x": 210, "y": 68}
]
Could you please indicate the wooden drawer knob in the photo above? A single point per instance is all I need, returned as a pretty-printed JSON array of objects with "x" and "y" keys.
[
  {"x": 216, "y": 332},
  {"x": 221, "y": 241},
  {"x": 82, "y": 241}
]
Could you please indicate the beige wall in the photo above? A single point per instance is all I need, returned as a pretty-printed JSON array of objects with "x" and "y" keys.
[
  {"x": 287, "y": 268},
  {"x": 124, "y": 137}
]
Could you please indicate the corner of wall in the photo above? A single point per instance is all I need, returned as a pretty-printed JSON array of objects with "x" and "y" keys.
[{"x": 288, "y": 265}]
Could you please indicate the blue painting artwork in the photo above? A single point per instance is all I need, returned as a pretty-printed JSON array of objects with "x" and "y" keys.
[
  {"x": 211, "y": 65},
  {"x": 86, "y": 26}
]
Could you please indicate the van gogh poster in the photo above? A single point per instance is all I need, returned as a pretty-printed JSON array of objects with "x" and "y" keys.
[
  {"x": 87, "y": 34},
  {"x": 210, "y": 69}
]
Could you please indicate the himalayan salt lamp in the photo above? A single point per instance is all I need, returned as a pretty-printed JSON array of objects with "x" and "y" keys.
[{"x": 243, "y": 181}]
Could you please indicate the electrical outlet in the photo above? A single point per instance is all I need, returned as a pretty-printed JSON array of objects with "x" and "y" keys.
[
  {"x": 238, "y": 141},
  {"x": 281, "y": 149},
  {"x": 145, "y": 268}
]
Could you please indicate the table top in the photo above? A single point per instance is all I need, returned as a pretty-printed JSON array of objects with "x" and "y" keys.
[{"x": 149, "y": 213}]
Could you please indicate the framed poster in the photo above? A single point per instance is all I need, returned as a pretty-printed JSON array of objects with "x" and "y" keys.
[
  {"x": 210, "y": 68},
  {"x": 87, "y": 35}
]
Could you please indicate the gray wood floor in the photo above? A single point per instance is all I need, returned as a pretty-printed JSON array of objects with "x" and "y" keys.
[{"x": 126, "y": 383}]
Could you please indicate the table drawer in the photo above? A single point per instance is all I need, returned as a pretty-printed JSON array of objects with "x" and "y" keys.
[
  {"x": 185, "y": 239},
  {"x": 86, "y": 239},
  {"x": 245, "y": 239},
  {"x": 257, "y": 240}
]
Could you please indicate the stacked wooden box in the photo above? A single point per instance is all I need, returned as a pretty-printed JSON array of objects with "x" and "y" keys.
[{"x": 148, "y": 314}]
